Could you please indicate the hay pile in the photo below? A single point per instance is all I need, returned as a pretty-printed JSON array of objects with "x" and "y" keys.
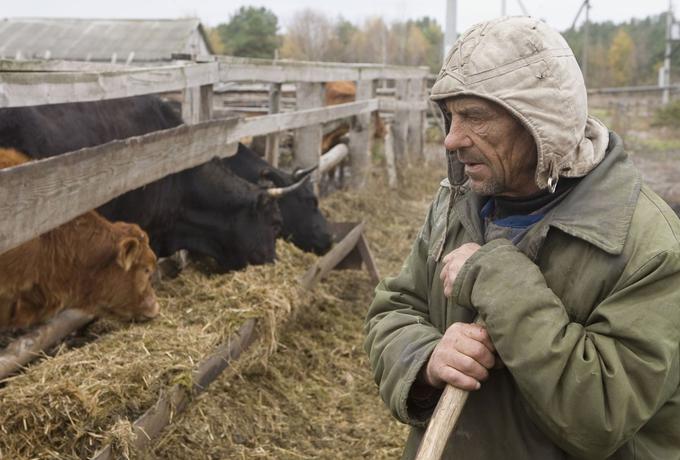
[
  {"x": 313, "y": 398},
  {"x": 65, "y": 406}
]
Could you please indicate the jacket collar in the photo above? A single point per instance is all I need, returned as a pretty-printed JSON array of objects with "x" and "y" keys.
[{"x": 598, "y": 210}]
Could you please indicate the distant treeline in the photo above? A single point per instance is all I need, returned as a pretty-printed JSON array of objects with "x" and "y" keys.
[{"x": 623, "y": 54}]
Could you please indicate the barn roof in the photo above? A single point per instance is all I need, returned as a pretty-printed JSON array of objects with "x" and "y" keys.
[{"x": 99, "y": 39}]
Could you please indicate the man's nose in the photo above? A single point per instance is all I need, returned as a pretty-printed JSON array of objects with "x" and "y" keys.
[{"x": 457, "y": 138}]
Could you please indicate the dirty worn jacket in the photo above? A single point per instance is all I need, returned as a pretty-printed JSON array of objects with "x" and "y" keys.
[{"x": 584, "y": 312}]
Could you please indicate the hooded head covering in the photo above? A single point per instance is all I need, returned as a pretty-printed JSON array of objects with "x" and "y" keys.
[{"x": 528, "y": 68}]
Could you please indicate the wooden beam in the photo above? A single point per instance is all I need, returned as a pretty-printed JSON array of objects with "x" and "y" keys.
[
  {"x": 390, "y": 162},
  {"x": 30, "y": 346},
  {"x": 12, "y": 65},
  {"x": 41, "y": 195},
  {"x": 324, "y": 265},
  {"x": 400, "y": 123},
  {"x": 147, "y": 427},
  {"x": 333, "y": 158},
  {"x": 307, "y": 140},
  {"x": 361, "y": 136},
  {"x": 46, "y": 193},
  {"x": 278, "y": 71},
  {"x": 37, "y": 88},
  {"x": 207, "y": 99},
  {"x": 393, "y": 105},
  {"x": 416, "y": 93},
  {"x": 272, "y": 145},
  {"x": 367, "y": 257}
]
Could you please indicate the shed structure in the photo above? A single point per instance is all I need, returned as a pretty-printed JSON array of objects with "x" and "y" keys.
[{"x": 137, "y": 41}]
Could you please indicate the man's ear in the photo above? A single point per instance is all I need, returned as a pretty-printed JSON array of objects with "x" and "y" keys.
[{"x": 128, "y": 251}]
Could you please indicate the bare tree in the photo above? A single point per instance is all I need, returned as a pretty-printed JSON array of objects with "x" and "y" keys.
[{"x": 310, "y": 36}]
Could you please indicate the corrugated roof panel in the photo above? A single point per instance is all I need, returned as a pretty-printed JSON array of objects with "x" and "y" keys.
[{"x": 97, "y": 39}]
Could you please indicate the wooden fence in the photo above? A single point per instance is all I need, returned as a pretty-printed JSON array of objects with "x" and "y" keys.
[{"x": 46, "y": 193}]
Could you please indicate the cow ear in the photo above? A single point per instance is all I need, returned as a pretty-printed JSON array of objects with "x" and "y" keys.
[
  {"x": 268, "y": 175},
  {"x": 128, "y": 251}
]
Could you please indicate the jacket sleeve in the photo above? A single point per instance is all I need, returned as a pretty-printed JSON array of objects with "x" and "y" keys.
[
  {"x": 590, "y": 387},
  {"x": 399, "y": 336}
]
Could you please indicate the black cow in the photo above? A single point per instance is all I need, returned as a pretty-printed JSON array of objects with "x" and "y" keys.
[
  {"x": 207, "y": 210},
  {"x": 303, "y": 223}
]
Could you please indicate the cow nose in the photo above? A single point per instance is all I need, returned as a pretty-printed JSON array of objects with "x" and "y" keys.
[
  {"x": 150, "y": 307},
  {"x": 153, "y": 311}
]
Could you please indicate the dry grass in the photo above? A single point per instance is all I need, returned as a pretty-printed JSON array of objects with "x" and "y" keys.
[{"x": 314, "y": 398}]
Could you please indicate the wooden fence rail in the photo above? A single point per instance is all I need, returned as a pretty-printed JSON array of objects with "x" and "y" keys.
[{"x": 44, "y": 194}]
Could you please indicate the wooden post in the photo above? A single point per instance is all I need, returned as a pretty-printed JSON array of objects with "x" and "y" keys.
[
  {"x": 361, "y": 136},
  {"x": 197, "y": 105},
  {"x": 308, "y": 139},
  {"x": 206, "y": 105},
  {"x": 416, "y": 94},
  {"x": 272, "y": 145},
  {"x": 389, "y": 156},
  {"x": 400, "y": 124}
]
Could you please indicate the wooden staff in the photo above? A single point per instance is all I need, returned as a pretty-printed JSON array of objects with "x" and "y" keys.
[{"x": 443, "y": 420}]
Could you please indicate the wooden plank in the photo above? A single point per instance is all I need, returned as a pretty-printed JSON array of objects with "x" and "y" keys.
[
  {"x": 272, "y": 144},
  {"x": 37, "y": 88},
  {"x": 367, "y": 257},
  {"x": 333, "y": 158},
  {"x": 416, "y": 92},
  {"x": 393, "y": 105},
  {"x": 307, "y": 141},
  {"x": 191, "y": 105},
  {"x": 389, "y": 158},
  {"x": 147, "y": 427},
  {"x": 280, "y": 71},
  {"x": 31, "y": 345},
  {"x": 206, "y": 109},
  {"x": 257, "y": 126},
  {"x": 400, "y": 123},
  {"x": 324, "y": 265},
  {"x": 361, "y": 136},
  {"x": 12, "y": 65},
  {"x": 46, "y": 193}
]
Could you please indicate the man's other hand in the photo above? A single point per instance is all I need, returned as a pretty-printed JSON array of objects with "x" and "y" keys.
[
  {"x": 462, "y": 358},
  {"x": 453, "y": 262}
]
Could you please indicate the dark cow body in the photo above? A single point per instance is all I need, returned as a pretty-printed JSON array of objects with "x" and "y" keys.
[
  {"x": 207, "y": 210},
  {"x": 303, "y": 223}
]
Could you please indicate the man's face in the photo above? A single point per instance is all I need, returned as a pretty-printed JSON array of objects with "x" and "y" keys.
[{"x": 499, "y": 154}]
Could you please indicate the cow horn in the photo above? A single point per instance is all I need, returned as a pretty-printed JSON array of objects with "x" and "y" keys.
[
  {"x": 278, "y": 192},
  {"x": 300, "y": 173}
]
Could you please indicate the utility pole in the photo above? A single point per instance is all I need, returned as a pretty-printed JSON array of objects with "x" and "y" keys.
[
  {"x": 450, "y": 35},
  {"x": 504, "y": 11},
  {"x": 586, "y": 43},
  {"x": 667, "y": 56},
  {"x": 586, "y": 31}
]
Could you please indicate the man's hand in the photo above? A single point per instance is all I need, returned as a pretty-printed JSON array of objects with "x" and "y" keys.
[
  {"x": 453, "y": 262},
  {"x": 462, "y": 358}
]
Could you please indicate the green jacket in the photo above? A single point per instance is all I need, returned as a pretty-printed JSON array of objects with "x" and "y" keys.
[{"x": 584, "y": 312}]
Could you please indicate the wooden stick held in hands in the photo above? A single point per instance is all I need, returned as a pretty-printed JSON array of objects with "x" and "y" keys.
[{"x": 443, "y": 420}]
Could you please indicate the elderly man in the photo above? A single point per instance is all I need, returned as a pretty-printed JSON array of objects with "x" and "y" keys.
[{"x": 544, "y": 229}]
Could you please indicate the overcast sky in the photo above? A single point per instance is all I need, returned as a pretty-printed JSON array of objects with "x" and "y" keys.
[{"x": 559, "y": 14}]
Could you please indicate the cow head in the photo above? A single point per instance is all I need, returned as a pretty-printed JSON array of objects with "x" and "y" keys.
[
  {"x": 123, "y": 284},
  {"x": 303, "y": 222},
  {"x": 226, "y": 218}
]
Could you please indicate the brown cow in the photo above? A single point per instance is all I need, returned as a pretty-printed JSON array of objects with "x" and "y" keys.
[
  {"x": 342, "y": 92},
  {"x": 88, "y": 263}
]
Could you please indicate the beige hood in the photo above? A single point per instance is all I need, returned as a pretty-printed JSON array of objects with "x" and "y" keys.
[{"x": 528, "y": 68}]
